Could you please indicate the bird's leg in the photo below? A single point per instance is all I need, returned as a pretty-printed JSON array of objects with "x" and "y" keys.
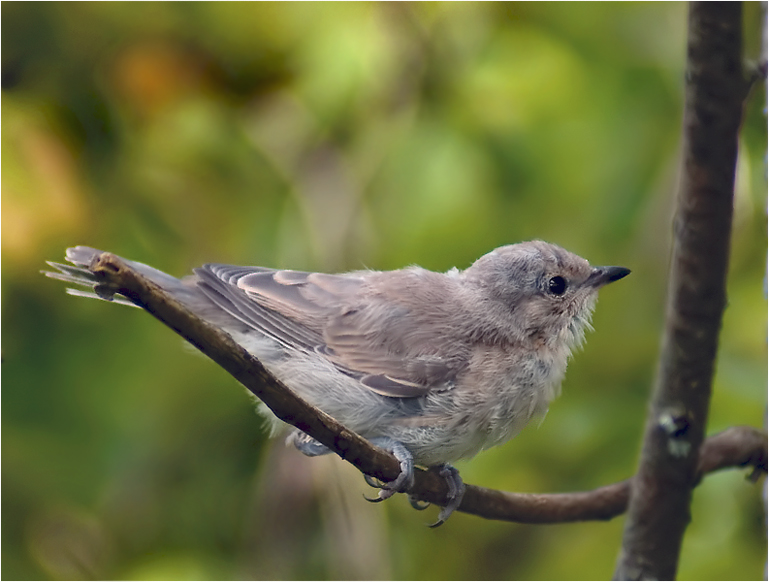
[
  {"x": 456, "y": 492},
  {"x": 306, "y": 444},
  {"x": 312, "y": 448},
  {"x": 405, "y": 480}
]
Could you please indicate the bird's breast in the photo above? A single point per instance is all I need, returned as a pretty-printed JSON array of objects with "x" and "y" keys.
[{"x": 504, "y": 388}]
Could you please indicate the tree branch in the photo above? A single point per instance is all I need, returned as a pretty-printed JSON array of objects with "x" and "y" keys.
[
  {"x": 661, "y": 494},
  {"x": 734, "y": 447}
]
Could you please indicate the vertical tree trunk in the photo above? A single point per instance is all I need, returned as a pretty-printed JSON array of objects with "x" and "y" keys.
[{"x": 661, "y": 493}]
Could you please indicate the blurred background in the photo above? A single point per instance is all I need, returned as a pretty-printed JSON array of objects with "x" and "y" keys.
[{"x": 336, "y": 137}]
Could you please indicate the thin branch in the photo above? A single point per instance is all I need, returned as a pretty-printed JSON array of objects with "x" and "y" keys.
[
  {"x": 661, "y": 495},
  {"x": 736, "y": 447}
]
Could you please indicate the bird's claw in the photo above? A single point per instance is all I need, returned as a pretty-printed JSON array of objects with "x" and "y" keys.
[
  {"x": 405, "y": 481},
  {"x": 456, "y": 493},
  {"x": 372, "y": 481},
  {"x": 418, "y": 504}
]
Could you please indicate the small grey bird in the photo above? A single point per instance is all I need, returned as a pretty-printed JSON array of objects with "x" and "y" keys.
[{"x": 433, "y": 367}]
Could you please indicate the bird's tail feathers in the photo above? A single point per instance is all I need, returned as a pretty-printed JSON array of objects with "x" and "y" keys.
[{"x": 83, "y": 257}]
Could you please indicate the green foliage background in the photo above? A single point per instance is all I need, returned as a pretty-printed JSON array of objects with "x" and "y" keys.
[{"x": 332, "y": 137}]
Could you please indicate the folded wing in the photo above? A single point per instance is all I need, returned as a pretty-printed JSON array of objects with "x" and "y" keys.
[{"x": 337, "y": 317}]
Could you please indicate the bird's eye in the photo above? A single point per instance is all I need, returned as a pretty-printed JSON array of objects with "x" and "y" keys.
[{"x": 557, "y": 285}]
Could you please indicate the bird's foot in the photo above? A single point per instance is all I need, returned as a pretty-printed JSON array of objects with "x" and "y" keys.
[
  {"x": 405, "y": 479},
  {"x": 307, "y": 445},
  {"x": 456, "y": 492}
]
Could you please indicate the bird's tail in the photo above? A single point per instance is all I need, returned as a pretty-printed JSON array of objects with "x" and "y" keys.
[{"x": 88, "y": 284}]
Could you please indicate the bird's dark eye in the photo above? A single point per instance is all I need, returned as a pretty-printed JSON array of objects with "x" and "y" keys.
[{"x": 557, "y": 285}]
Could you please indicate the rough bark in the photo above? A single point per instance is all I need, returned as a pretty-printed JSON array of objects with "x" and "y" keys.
[{"x": 661, "y": 493}]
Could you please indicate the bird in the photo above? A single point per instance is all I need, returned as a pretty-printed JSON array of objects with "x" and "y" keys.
[{"x": 432, "y": 367}]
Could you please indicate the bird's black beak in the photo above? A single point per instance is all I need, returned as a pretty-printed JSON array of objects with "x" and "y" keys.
[{"x": 604, "y": 275}]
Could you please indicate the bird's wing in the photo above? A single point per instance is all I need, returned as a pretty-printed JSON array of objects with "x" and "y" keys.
[{"x": 374, "y": 341}]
